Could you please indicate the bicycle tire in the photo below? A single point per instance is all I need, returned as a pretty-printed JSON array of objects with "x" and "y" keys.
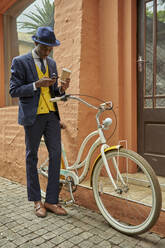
[{"x": 125, "y": 212}]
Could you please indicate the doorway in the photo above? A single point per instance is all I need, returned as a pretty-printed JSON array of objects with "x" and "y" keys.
[{"x": 151, "y": 83}]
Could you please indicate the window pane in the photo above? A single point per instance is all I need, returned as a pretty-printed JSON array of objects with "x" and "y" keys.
[
  {"x": 160, "y": 77},
  {"x": 148, "y": 103},
  {"x": 149, "y": 49},
  {"x": 160, "y": 103}
]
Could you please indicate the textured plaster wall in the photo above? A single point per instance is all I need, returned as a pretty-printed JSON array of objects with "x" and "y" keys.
[
  {"x": 102, "y": 57},
  {"x": 12, "y": 143},
  {"x": 2, "y": 76},
  {"x": 12, "y": 150},
  {"x": 98, "y": 44},
  {"x": 68, "y": 19},
  {"x": 77, "y": 27},
  {"x": 90, "y": 83}
]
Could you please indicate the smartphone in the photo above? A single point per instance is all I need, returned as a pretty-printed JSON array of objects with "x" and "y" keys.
[{"x": 54, "y": 76}]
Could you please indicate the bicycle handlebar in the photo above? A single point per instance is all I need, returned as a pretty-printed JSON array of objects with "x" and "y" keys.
[{"x": 102, "y": 107}]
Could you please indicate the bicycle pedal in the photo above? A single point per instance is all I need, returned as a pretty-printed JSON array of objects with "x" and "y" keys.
[
  {"x": 69, "y": 203},
  {"x": 119, "y": 191}
]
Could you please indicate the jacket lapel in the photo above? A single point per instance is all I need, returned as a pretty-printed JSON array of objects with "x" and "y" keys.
[
  {"x": 49, "y": 67},
  {"x": 50, "y": 74},
  {"x": 32, "y": 66}
]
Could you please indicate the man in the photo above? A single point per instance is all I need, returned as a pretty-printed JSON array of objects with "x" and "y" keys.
[{"x": 33, "y": 81}]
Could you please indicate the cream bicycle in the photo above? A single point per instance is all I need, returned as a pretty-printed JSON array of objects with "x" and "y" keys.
[{"x": 125, "y": 187}]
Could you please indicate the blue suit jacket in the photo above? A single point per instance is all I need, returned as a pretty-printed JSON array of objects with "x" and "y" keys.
[{"x": 23, "y": 74}]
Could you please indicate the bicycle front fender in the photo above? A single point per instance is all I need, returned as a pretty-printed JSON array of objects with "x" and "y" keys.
[{"x": 111, "y": 148}]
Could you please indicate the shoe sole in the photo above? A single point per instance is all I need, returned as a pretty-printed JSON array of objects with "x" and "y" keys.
[
  {"x": 49, "y": 210},
  {"x": 40, "y": 216}
]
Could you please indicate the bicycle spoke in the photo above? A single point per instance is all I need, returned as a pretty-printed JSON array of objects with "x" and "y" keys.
[{"x": 132, "y": 207}]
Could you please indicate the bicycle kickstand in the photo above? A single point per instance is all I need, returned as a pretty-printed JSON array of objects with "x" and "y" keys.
[{"x": 72, "y": 201}]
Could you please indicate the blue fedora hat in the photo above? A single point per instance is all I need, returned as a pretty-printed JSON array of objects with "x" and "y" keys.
[{"x": 46, "y": 36}]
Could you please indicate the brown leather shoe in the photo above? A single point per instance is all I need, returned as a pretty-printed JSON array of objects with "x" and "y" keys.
[
  {"x": 40, "y": 210},
  {"x": 55, "y": 208}
]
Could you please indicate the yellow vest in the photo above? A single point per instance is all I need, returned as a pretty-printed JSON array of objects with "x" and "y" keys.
[{"x": 44, "y": 105}]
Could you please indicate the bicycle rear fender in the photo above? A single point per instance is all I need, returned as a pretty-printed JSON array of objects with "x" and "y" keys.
[{"x": 111, "y": 148}]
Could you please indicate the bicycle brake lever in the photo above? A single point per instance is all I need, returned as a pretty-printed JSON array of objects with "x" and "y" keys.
[
  {"x": 106, "y": 106},
  {"x": 110, "y": 105},
  {"x": 65, "y": 98},
  {"x": 60, "y": 98}
]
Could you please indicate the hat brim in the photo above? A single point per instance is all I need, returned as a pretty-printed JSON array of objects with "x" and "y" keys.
[{"x": 57, "y": 43}]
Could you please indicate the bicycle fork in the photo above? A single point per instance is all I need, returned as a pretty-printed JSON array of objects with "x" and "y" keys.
[{"x": 118, "y": 190}]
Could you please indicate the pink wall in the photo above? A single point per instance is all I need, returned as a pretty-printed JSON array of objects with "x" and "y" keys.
[
  {"x": 2, "y": 76},
  {"x": 98, "y": 43},
  {"x": 118, "y": 64},
  {"x": 90, "y": 83},
  {"x": 68, "y": 19}
]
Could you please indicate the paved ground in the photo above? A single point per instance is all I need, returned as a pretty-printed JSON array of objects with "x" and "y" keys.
[{"x": 82, "y": 228}]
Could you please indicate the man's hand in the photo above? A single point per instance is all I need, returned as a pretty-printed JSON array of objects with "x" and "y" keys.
[
  {"x": 45, "y": 82},
  {"x": 65, "y": 85}
]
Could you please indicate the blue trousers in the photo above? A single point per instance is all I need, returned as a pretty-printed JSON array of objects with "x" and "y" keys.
[{"x": 49, "y": 126}]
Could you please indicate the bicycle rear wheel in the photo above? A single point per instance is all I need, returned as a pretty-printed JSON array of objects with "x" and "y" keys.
[{"x": 135, "y": 206}]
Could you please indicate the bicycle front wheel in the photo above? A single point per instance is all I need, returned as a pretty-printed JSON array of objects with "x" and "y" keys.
[{"x": 133, "y": 207}]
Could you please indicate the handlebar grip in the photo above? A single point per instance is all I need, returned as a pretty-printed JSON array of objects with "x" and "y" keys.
[
  {"x": 60, "y": 98},
  {"x": 56, "y": 99}
]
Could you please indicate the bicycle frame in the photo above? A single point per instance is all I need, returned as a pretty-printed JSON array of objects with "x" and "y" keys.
[
  {"x": 110, "y": 156},
  {"x": 86, "y": 161},
  {"x": 69, "y": 170}
]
